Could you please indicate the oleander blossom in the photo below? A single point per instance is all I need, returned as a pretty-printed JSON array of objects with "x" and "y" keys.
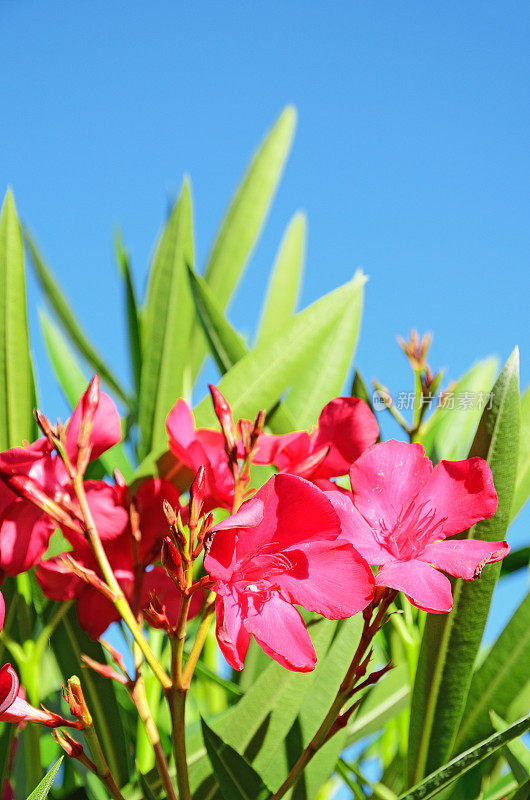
[
  {"x": 280, "y": 549},
  {"x": 402, "y": 511}
]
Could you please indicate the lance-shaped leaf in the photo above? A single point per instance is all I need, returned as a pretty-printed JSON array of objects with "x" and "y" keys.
[
  {"x": 68, "y": 643},
  {"x": 448, "y": 431},
  {"x": 498, "y": 681},
  {"x": 284, "y": 283},
  {"x": 133, "y": 312},
  {"x": 523, "y": 792},
  {"x": 515, "y": 752},
  {"x": 517, "y": 559},
  {"x": 16, "y": 375},
  {"x": 245, "y": 217},
  {"x": 451, "y": 641},
  {"x": 324, "y": 378},
  {"x": 235, "y": 776},
  {"x": 42, "y": 790},
  {"x": 259, "y": 379},
  {"x": 73, "y": 383},
  {"x": 438, "y": 780},
  {"x": 168, "y": 322},
  {"x": 68, "y": 321},
  {"x": 522, "y": 484}
]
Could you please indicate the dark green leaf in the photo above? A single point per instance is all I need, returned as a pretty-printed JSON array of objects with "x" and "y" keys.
[
  {"x": 522, "y": 484},
  {"x": 16, "y": 376},
  {"x": 517, "y": 559},
  {"x": 284, "y": 284},
  {"x": 147, "y": 792},
  {"x": 516, "y": 754},
  {"x": 458, "y": 766},
  {"x": 67, "y": 319},
  {"x": 168, "y": 322},
  {"x": 42, "y": 790},
  {"x": 235, "y": 776},
  {"x": 523, "y": 792},
  {"x": 133, "y": 312},
  {"x": 451, "y": 641}
]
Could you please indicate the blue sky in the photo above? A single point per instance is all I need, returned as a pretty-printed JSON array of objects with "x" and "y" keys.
[{"x": 410, "y": 159}]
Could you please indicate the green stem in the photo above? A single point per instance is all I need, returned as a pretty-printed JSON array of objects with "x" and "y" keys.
[
  {"x": 140, "y": 699},
  {"x": 177, "y": 705},
  {"x": 103, "y": 771}
]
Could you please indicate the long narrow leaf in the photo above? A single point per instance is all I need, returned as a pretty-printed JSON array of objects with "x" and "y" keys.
[
  {"x": 42, "y": 790},
  {"x": 522, "y": 484},
  {"x": 67, "y": 319},
  {"x": 133, "y": 312},
  {"x": 284, "y": 284},
  {"x": 451, "y": 641},
  {"x": 235, "y": 776}
]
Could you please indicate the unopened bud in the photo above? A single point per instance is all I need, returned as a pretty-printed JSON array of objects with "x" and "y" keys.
[
  {"x": 172, "y": 563},
  {"x": 44, "y": 424},
  {"x": 169, "y": 511},
  {"x": 89, "y": 406},
  {"x": 224, "y": 415},
  {"x": 197, "y": 496}
]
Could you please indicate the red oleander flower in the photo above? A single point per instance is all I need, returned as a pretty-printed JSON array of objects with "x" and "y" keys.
[
  {"x": 283, "y": 548},
  {"x": 402, "y": 511},
  {"x": 195, "y": 447},
  {"x": 25, "y": 527},
  {"x": 109, "y": 506},
  {"x": 346, "y": 427},
  {"x": 13, "y": 707}
]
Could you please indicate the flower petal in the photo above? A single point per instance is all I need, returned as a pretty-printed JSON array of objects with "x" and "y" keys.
[
  {"x": 350, "y": 427},
  {"x": 279, "y": 629},
  {"x": 9, "y": 685},
  {"x": 422, "y": 585},
  {"x": 180, "y": 426},
  {"x": 386, "y": 478},
  {"x": 24, "y": 535},
  {"x": 106, "y": 430},
  {"x": 461, "y": 491},
  {"x": 232, "y": 636},
  {"x": 329, "y": 578},
  {"x": 95, "y": 613},
  {"x": 464, "y": 558},
  {"x": 356, "y": 529}
]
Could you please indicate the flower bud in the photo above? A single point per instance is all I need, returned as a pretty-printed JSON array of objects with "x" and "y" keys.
[
  {"x": 197, "y": 496},
  {"x": 76, "y": 700},
  {"x": 172, "y": 563},
  {"x": 224, "y": 415}
]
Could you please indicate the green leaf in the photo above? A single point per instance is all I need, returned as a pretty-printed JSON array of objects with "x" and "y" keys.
[
  {"x": 235, "y": 776},
  {"x": 16, "y": 375},
  {"x": 325, "y": 377},
  {"x": 516, "y": 754},
  {"x": 523, "y": 792},
  {"x": 133, "y": 312},
  {"x": 458, "y": 766},
  {"x": 498, "y": 681},
  {"x": 517, "y": 559},
  {"x": 259, "y": 379},
  {"x": 73, "y": 383},
  {"x": 42, "y": 790},
  {"x": 168, "y": 322},
  {"x": 448, "y": 431},
  {"x": 382, "y": 703},
  {"x": 68, "y": 321},
  {"x": 68, "y": 643},
  {"x": 522, "y": 484},
  {"x": 284, "y": 284},
  {"x": 451, "y": 642},
  {"x": 147, "y": 792},
  {"x": 245, "y": 217},
  {"x": 226, "y": 345}
]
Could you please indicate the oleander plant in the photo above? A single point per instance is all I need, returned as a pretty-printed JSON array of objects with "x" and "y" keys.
[{"x": 256, "y": 596}]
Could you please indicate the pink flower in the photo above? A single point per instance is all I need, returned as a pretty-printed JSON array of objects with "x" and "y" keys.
[
  {"x": 13, "y": 707},
  {"x": 194, "y": 447},
  {"x": 403, "y": 512},
  {"x": 282, "y": 548},
  {"x": 346, "y": 427},
  {"x": 25, "y": 529}
]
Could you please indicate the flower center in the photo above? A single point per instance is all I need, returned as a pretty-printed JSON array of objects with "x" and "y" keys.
[{"x": 414, "y": 528}]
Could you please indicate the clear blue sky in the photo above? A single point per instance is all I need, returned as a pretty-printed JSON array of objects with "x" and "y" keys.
[{"x": 411, "y": 158}]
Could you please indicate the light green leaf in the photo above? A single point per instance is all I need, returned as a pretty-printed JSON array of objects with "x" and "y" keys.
[
  {"x": 73, "y": 383},
  {"x": 16, "y": 375},
  {"x": 324, "y": 378},
  {"x": 522, "y": 484},
  {"x": 245, "y": 217},
  {"x": 517, "y": 755},
  {"x": 42, "y": 790},
  {"x": 235, "y": 776},
  {"x": 458, "y": 766},
  {"x": 133, "y": 312},
  {"x": 451, "y": 641},
  {"x": 169, "y": 317},
  {"x": 226, "y": 345},
  {"x": 448, "y": 431},
  {"x": 67, "y": 319},
  {"x": 284, "y": 284}
]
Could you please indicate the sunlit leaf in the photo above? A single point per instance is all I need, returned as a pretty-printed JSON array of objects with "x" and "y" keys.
[
  {"x": 235, "y": 776},
  {"x": 522, "y": 484},
  {"x": 133, "y": 312},
  {"x": 42, "y": 790}
]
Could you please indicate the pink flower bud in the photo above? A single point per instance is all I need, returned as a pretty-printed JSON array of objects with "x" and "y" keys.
[{"x": 224, "y": 415}]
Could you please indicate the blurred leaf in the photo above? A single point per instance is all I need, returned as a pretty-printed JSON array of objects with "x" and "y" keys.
[
  {"x": 16, "y": 376},
  {"x": 458, "y": 766},
  {"x": 448, "y": 431},
  {"x": 42, "y": 790},
  {"x": 516, "y": 754},
  {"x": 7, "y": 733},
  {"x": 284, "y": 284},
  {"x": 68, "y": 642},
  {"x": 499, "y": 678},
  {"x": 226, "y": 345},
  {"x": 523, "y": 792},
  {"x": 325, "y": 377},
  {"x": 517, "y": 559},
  {"x": 382, "y": 703},
  {"x": 67, "y": 319},
  {"x": 358, "y": 389},
  {"x": 147, "y": 792},
  {"x": 168, "y": 322},
  {"x": 259, "y": 379},
  {"x": 73, "y": 383},
  {"x": 245, "y": 217},
  {"x": 451, "y": 641},
  {"x": 133, "y": 312},
  {"x": 522, "y": 484},
  {"x": 236, "y": 778}
]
